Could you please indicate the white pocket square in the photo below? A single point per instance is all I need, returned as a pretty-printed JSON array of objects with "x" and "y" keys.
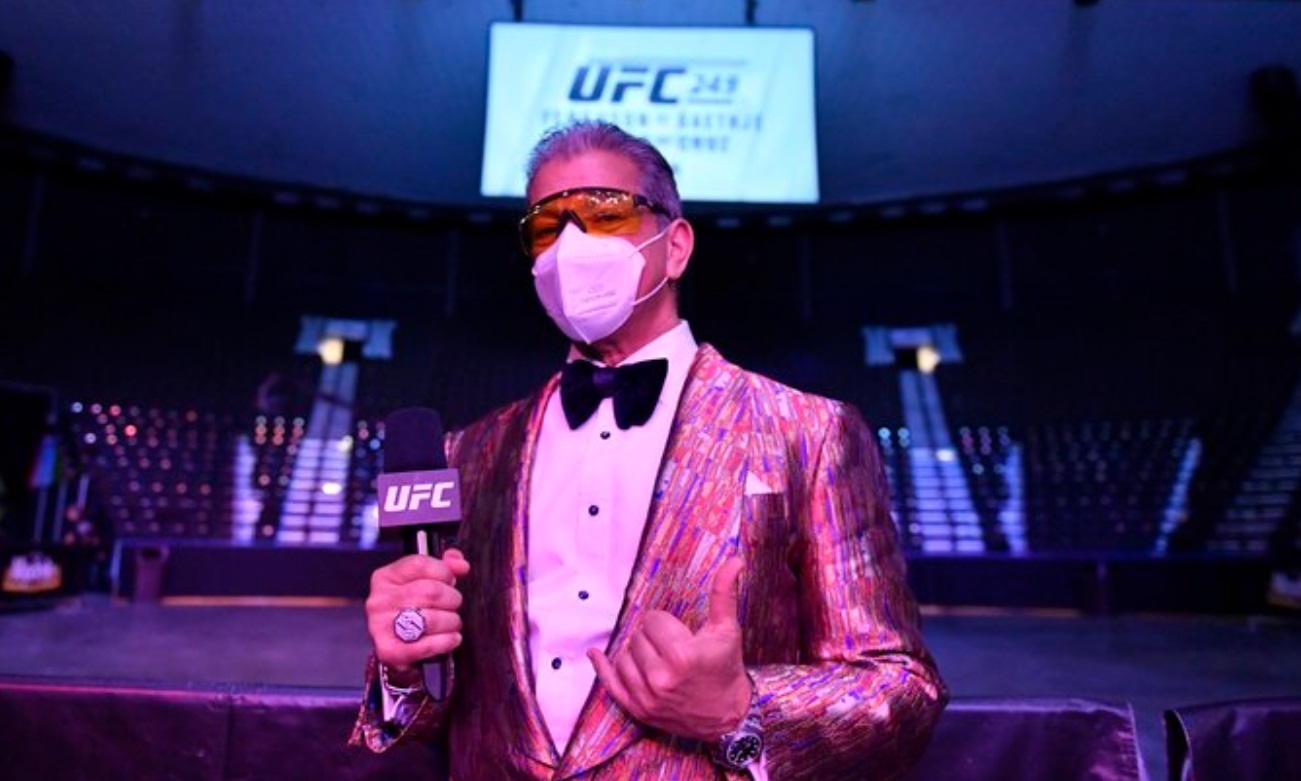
[{"x": 754, "y": 486}]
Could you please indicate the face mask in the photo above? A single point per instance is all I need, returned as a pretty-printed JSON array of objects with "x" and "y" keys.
[{"x": 588, "y": 284}]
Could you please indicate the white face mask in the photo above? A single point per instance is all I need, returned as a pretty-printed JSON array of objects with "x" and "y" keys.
[{"x": 588, "y": 284}]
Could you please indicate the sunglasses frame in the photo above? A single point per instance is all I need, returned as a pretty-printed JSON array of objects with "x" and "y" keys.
[{"x": 638, "y": 201}]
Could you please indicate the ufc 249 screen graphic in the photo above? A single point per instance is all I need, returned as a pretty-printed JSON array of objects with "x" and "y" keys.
[{"x": 732, "y": 109}]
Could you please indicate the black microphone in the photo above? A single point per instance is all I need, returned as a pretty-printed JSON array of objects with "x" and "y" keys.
[{"x": 419, "y": 495}]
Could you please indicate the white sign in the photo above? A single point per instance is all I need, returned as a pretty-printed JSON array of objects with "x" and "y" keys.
[{"x": 732, "y": 109}]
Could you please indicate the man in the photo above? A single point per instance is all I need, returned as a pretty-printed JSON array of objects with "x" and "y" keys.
[{"x": 692, "y": 578}]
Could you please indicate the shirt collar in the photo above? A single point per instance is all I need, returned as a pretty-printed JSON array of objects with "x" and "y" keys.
[{"x": 677, "y": 344}]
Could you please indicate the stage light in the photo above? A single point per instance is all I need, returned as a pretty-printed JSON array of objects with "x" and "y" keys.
[
  {"x": 927, "y": 359},
  {"x": 331, "y": 350}
]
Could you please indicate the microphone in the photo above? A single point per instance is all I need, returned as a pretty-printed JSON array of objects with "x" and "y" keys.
[
  {"x": 418, "y": 494},
  {"x": 421, "y": 497}
]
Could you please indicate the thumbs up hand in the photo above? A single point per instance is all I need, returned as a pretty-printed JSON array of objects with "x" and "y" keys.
[{"x": 689, "y": 684}]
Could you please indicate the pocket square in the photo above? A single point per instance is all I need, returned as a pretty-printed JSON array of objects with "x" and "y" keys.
[{"x": 755, "y": 487}]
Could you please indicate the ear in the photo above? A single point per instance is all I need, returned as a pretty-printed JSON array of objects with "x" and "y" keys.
[{"x": 680, "y": 241}]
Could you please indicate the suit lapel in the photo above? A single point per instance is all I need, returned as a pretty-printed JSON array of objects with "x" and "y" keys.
[
  {"x": 692, "y": 527},
  {"x": 534, "y": 738}
]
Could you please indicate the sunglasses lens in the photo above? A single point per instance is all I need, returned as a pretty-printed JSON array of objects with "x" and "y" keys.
[{"x": 597, "y": 212}]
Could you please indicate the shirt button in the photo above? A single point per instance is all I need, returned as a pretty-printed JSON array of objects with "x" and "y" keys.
[
  {"x": 605, "y": 435},
  {"x": 583, "y": 595},
  {"x": 555, "y": 663},
  {"x": 593, "y": 510}
]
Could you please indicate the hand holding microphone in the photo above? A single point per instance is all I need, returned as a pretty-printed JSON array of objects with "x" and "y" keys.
[
  {"x": 412, "y": 611},
  {"x": 420, "y": 583}
]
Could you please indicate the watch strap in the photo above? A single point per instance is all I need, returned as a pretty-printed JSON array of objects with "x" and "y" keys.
[{"x": 743, "y": 746}]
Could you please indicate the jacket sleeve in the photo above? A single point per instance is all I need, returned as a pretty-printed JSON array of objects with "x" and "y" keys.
[
  {"x": 865, "y": 694},
  {"x": 420, "y": 717}
]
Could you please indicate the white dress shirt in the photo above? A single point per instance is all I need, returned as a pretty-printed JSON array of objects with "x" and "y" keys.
[{"x": 589, "y": 497}]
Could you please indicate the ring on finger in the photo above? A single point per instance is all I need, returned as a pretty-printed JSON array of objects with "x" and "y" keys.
[{"x": 409, "y": 624}]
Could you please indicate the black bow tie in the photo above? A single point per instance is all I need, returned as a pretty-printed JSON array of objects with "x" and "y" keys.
[{"x": 635, "y": 388}]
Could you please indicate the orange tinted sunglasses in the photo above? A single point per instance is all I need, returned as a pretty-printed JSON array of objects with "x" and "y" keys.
[{"x": 598, "y": 211}]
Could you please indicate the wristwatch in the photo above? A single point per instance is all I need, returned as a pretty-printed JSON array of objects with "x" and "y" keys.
[{"x": 743, "y": 746}]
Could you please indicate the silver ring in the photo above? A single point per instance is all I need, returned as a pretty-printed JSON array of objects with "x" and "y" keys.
[{"x": 409, "y": 625}]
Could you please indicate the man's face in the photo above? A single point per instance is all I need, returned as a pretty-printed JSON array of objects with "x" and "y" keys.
[{"x": 598, "y": 168}]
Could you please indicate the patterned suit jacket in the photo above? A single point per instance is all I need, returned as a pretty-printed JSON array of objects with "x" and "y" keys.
[{"x": 846, "y": 687}]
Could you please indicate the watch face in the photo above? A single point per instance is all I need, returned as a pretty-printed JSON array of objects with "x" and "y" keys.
[{"x": 744, "y": 750}]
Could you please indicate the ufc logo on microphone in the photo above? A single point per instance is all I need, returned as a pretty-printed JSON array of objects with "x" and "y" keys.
[
  {"x": 425, "y": 496},
  {"x": 402, "y": 498}
]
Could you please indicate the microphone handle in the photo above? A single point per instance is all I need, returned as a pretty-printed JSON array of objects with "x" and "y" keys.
[
  {"x": 428, "y": 541},
  {"x": 436, "y": 673}
]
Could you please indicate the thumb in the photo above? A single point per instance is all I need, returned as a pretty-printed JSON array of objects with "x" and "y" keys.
[{"x": 723, "y": 594}]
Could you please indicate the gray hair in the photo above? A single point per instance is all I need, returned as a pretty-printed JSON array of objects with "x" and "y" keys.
[{"x": 570, "y": 140}]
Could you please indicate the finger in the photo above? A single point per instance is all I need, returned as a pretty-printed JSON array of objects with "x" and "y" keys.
[
  {"x": 644, "y": 654},
  {"x": 441, "y": 634},
  {"x": 439, "y": 644},
  {"x": 609, "y": 677},
  {"x": 723, "y": 594},
  {"x": 385, "y": 599},
  {"x": 455, "y": 561},
  {"x": 441, "y": 622},
  {"x": 666, "y": 634},
  {"x": 413, "y": 567},
  {"x": 399, "y": 655},
  {"x": 662, "y": 673},
  {"x": 429, "y": 594},
  {"x": 634, "y": 683}
]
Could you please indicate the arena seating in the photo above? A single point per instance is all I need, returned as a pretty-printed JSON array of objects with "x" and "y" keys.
[
  {"x": 199, "y": 452},
  {"x": 177, "y": 473},
  {"x": 1101, "y": 485},
  {"x": 157, "y": 472}
]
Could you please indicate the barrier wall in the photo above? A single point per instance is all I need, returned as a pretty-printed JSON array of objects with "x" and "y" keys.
[
  {"x": 1248, "y": 740},
  {"x": 56, "y": 729}
]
